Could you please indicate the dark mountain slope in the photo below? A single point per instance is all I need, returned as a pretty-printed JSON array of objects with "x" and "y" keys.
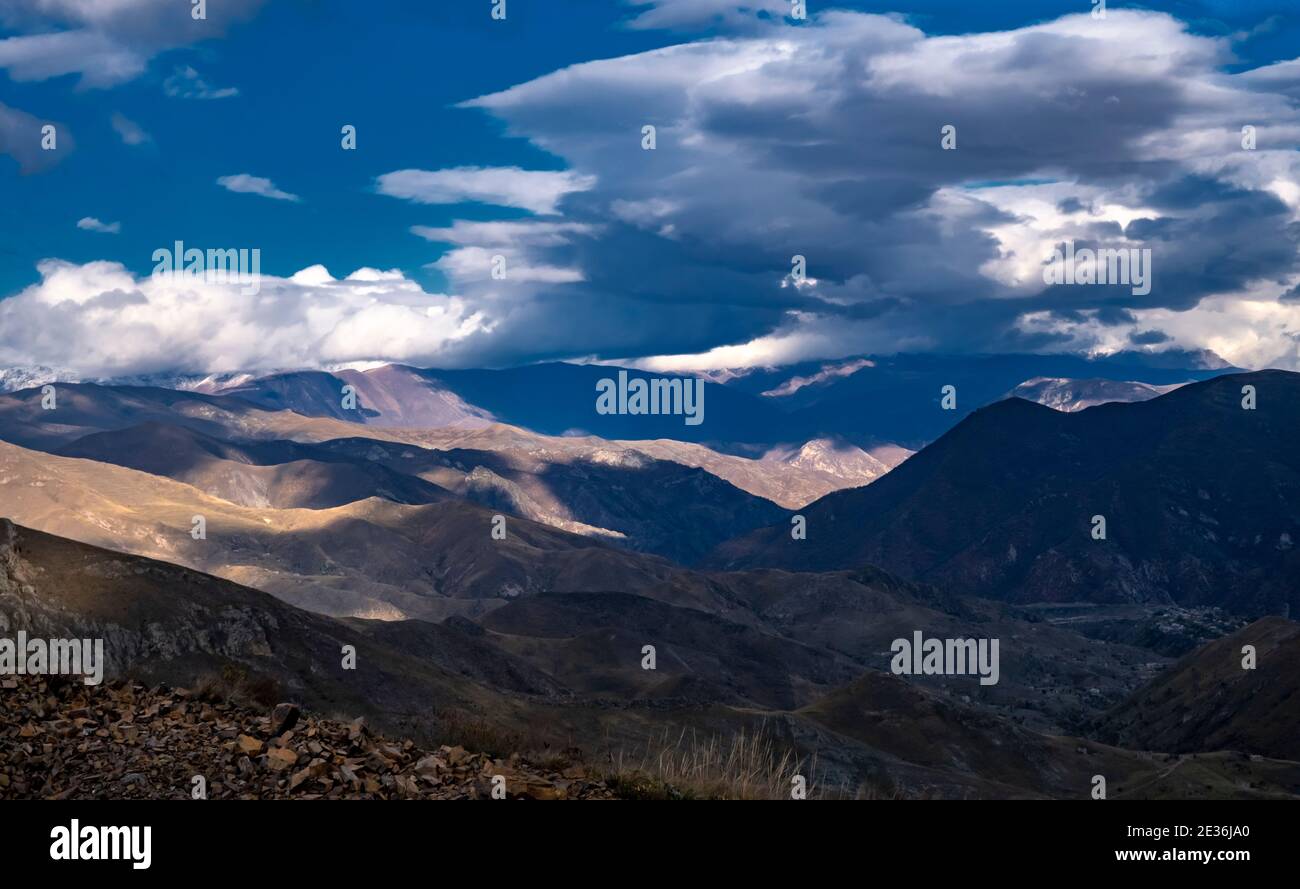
[
  {"x": 166, "y": 623},
  {"x": 896, "y": 398},
  {"x": 1201, "y": 500},
  {"x": 1208, "y": 701}
]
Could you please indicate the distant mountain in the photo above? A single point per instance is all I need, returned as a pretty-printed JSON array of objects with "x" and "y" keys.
[
  {"x": 1075, "y": 395},
  {"x": 279, "y": 474},
  {"x": 679, "y": 505},
  {"x": 15, "y": 378},
  {"x": 866, "y": 401},
  {"x": 1201, "y": 500},
  {"x": 840, "y": 460},
  {"x": 1210, "y": 701},
  {"x": 623, "y": 495},
  {"x": 391, "y": 395},
  {"x": 863, "y": 402},
  {"x": 553, "y": 399},
  {"x": 80, "y": 409},
  {"x": 372, "y": 558},
  {"x": 12, "y": 379}
]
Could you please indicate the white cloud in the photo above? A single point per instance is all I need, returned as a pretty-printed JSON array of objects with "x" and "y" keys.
[
  {"x": 823, "y": 139},
  {"x": 1250, "y": 328},
  {"x": 697, "y": 13},
  {"x": 107, "y": 42},
  {"x": 91, "y": 224},
  {"x": 514, "y": 233},
  {"x": 98, "y": 319},
  {"x": 538, "y": 191},
  {"x": 465, "y": 264},
  {"x": 186, "y": 83},
  {"x": 243, "y": 183},
  {"x": 128, "y": 130},
  {"x": 101, "y": 61}
]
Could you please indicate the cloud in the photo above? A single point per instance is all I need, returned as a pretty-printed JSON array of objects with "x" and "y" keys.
[
  {"x": 522, "y": 233},
  {"x": 100, "y": 60},
  {"x": 91, "y": 224},
  {"x": 21, "y": 138},
  {"x": 98, "y": 319},
  {"x": 819, "y": 140},
  {"x": 537, "y": 191},
  {"x": 823, "y": 140},
  {"x": 466, "y": 263},
  {"x": 186, "y": 83},
  {"x": 678, "y": 14},
  {"x": 128, "y": 130},
  {"x": 243, "y": 183},
  {"x": 106, "y": 42}
]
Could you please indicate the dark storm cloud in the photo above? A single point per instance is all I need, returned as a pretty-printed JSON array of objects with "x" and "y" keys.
[{"x": 824, "y": 141}]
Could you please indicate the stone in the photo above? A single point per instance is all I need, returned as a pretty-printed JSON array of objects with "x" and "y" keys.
[
  {"x": 283, "y": 718},
  {"x": 281, "y": 758}
]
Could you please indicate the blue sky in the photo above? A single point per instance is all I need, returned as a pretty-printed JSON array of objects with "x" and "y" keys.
[{"x": 671, "y": 258}]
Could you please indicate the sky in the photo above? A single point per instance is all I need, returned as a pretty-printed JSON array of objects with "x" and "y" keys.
[{"x": 516, "y": 144}]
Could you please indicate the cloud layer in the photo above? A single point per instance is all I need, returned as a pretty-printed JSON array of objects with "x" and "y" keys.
[
  {"x": 98, "y": 319},
  {"x": 820, "y": 141},
  {"x": 824, "y": 141}
]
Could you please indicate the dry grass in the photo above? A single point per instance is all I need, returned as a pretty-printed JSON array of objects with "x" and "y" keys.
[
  {"x": 686, "y": 766},
  {"x": 236, "y": 685}
]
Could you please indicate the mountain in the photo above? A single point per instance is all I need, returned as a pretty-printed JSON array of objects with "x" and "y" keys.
[
  {"x": 552, "y": 399},
  {"x": 371, "y": 558},
  {"x": 165, "y": 623},
  {"x": 873, "y": 399},
  {"x": 278, "y": 474},
  {"x": 1209, "y": 701},
  {"x": 870, "y": 732},
  {"x": 679, "y": 507},
  {"x": 1075, "y": 395},
  {"x": 650, "y": 505},
  {"x": 838, "y": 459},
  {"x": 867, "y": 401},
  {"x": 1201, "y": 500},
  {"x": 391, "y": 395},
  {"x": 14, "y": 378}
]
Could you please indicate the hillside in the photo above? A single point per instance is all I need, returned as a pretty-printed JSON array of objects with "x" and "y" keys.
[
  {"x": 1201, "y": 500},
  {"x": 1208, "y": 701}
]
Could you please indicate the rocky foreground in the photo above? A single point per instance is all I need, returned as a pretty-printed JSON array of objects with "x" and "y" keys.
[{"x": 64, "y": 740}]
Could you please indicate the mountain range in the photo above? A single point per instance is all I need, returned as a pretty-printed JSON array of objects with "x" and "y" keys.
[
  {"x": 1199, "y": 496},
  {"x": 498, "y": 581}
]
